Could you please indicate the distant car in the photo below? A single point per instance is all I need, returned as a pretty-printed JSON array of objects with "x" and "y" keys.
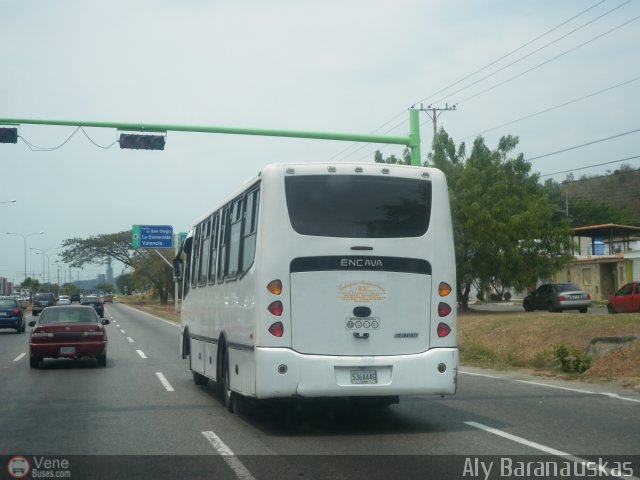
[
  {"x": 627, "y": 299},
  {"x": 64, "y": 300},
  {"x": 11, "y": 314},
  {"x": 68, "y": 331},
  {"x": 42, "y": 301},
  {"x": 108, "y": 298},
  {"x": 96, "y": 303},
  {"x": 556, "y": 297},
  {"x": 75, "y": 297}
]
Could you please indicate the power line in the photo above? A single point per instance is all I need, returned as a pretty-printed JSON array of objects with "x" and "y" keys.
[
  {"x": 36, "y": 148},
  {"x": 466, "y": 77},
  {"x": 584, "y": 144},
  {"x": 546, "y": 110},
  {"x": 532, "y": 53},
  {"x": 591, "y": 166},
  {"x": 549, "y": 60}
]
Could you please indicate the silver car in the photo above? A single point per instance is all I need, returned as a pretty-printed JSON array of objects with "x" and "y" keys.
[{"x": 556, "y": 297}]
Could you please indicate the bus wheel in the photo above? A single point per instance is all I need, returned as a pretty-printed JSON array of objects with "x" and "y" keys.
[{"x": 232, "y": 400}]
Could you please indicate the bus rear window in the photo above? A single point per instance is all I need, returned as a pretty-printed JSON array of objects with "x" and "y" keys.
[{"x": 353, "y": 206}]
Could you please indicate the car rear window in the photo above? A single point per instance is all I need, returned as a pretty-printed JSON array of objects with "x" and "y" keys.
[
  {"x": 352, "y": 206},
  {"x": 8, "y": 303},
  {"x": 567, "y": 287}
]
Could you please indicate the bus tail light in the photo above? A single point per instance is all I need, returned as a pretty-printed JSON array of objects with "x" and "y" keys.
[
  {"x": 444, "y": 309},
  {"x": 443, "y": 330},
  {"x": 444, "y": 289},
  {"x": 275, "y": 287},
  {"x": 276, "y": 308},
  {"x": 276, "y": 329}
]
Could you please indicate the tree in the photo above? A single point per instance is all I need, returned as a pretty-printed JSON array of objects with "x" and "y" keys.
[
  {"x": 405, "y": 160},
  {"x": 505, "y": 228},
  {"x": 98, "y": 249}
]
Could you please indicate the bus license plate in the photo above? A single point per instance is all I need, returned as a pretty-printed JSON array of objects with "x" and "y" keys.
[
  {"x": 364, "y": 377},
  {"x": 67, "y": 350}
]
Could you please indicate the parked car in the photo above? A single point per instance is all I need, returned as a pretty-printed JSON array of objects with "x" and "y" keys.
[
  {"x": 11, "y": 314},
  {"x": 556, "y": 297},
  {"x": 42, "y": 301},
  {"x": 68, "y": 331},
  {"x": 95, "y": 302},
  {"x": 627, "y": 299}
]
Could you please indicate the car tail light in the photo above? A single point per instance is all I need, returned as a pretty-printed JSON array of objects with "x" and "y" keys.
[
  {"x": 16, "y": 311},
  {"x": 276, "y": 329},
  {"x": 275, "y": 287},
  {"x": 41, "y": 334},
  {"x": 444, "y": 309},
  {"x": 443, "y": 330},
  {"x": 561, "y": 298},
  {"x": 276, "y": 308},
  {"x": 444, "y": 289},
  {"x": 588, "y": 296}
]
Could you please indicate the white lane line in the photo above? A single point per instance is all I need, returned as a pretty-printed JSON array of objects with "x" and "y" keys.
[
  {"x": 592, "y": 466},
  {"x": 481, "y": 375},
  {"x": 165, "y": 383},
  {"x": 141, "y": 353},
  {"x": 228, "y": 456},
  {"x": 130, "y": 339},
  {"x": 548, "y": 385},
  {"x": 17, "y": 359},
  {"x": 122, "y": 331}
]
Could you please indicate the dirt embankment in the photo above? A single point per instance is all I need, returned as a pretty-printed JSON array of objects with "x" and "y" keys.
[{"x": 529, "y": 340}]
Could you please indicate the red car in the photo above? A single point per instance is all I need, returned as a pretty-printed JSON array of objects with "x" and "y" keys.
[
  {"x": 69, "y": 331},
  {"x": 627, "y": 299}
]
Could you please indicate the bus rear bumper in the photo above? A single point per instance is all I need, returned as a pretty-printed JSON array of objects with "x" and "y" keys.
[{"x": 286, "y": 373}]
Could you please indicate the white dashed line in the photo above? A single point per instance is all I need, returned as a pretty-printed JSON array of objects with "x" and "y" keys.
[
  {"x": 604, "y": 471},
  {"x": 228, "y": 456},
  {"x": 165, "y": 383},
  {"x": 130, "y": 339},
  {"x": 122, "y": 331},
  {"x": 141, "y": 353},
  {"x": 19, "y": 357}
]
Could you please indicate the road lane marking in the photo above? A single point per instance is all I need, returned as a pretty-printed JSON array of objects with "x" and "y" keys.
[
  {"x": 17, "y": 359},
  {"x": 130, "y": 339},
  {"x": 548, "y": 385},
  {"x": 228, "y": 456},
  {"x": 122, "y": 331},
  {"x": 165, "y": 383},
  {"x": 141, "y": 353},
  {"x": 552, "y": 451}
]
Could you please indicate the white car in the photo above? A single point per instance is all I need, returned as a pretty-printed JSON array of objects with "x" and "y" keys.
[{"x": 64, "y": 300}]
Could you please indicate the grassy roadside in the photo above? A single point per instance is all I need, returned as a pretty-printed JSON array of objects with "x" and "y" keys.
[{"x": 525, "y": 341}]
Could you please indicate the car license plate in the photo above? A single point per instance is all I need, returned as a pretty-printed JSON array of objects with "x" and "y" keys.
[
  {"x": 4, "y": 314},
  {"x": 67, "y": 350},
  {"x": 364, "y": 376}
]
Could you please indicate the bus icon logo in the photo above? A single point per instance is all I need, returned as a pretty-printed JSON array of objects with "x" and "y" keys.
[{"x": 18, "y": 467}]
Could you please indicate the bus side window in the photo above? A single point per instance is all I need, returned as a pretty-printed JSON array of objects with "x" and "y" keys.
[
  {"x": 204, "y": 253},
  {"x": 234, "y": 238},
  {"x": 214, "y": 247},
  {"x": 249, "y": 231},
  {"x": 222, "y": 252},
  {"x": 195, "y": 257}
]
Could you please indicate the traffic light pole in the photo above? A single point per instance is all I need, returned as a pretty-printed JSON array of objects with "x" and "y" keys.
[{"x": 412, "y": 141}]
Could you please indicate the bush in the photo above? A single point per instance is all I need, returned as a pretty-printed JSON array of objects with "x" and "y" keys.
[{"x": 572, "y": 361}]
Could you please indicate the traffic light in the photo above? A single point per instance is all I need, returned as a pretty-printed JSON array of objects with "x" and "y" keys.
[
  {"x": 8, "y": 135},
  {"x": 141, "y": 142}
]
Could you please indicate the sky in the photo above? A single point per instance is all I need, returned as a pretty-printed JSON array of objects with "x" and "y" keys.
[{"x": 556, "y": 74}]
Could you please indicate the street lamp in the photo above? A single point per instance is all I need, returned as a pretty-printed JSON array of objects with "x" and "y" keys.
[
  {"x": 44, "y": 254},
  {"x": 24, "y": 239}
]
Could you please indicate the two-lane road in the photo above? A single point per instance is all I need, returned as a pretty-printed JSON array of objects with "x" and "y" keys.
[{"x": 143, "y": 412}]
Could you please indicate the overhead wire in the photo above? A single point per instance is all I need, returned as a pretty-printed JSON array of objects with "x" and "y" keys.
[
  {"x": 591, "y": 166},
  {"x": 467, "y": 77},
  {"x": 36, "y": 148}
]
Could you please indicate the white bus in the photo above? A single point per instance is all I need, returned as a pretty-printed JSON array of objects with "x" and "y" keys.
[{"x": 319, "y": 280}]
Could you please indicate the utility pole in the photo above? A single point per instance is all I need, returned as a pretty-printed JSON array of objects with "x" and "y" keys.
[{"x": 434, "y": 113}]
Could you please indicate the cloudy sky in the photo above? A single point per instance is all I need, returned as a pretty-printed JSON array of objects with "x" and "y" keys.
[{"x": 556, "y": 74}]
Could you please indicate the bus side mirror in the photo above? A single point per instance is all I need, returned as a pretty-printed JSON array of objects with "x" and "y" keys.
[{"x": 177, "y": 270}]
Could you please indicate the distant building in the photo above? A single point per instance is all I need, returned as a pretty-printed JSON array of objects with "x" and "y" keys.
[
  {"x": 109, "y": 273},
  {"x": 606, "y": 257}
]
